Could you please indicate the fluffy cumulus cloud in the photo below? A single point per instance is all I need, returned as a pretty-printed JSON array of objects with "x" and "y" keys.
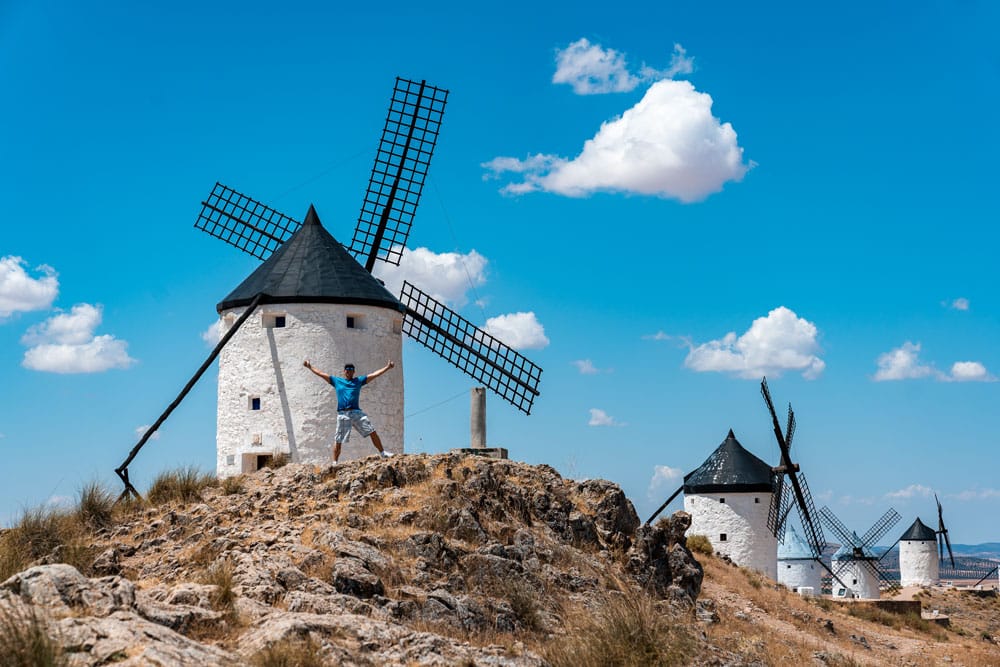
[
  {"x": 961, "y": 303},
  {"x": 664, "y": 479},
  {"x": 66, "y": 343},
  {"x": 668, "y": 145},
  {"x": 445, "y": 276},
  {"x": 20, "y": 291},
  {"x": 521, "y": 331},
  {"x": 779, "y": 342},
  {"x": 599, "y": 417},
  {"x": 213, "y": 334},
  {"x": 904, "y": 363},
  {"x": 912, "y": 491},
  {"x": 587, "y": 367},
  {"x": 659, "y": 335}
]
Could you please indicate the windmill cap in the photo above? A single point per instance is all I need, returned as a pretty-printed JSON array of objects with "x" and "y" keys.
[
  {"x": 730, "y": 469},
  {"x": 919, "y": 532}
]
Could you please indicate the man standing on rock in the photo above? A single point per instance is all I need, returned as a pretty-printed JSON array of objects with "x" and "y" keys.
[{"x": 349, "y": 414}]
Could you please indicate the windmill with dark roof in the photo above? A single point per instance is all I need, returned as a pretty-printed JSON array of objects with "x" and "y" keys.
[
  {"x": 728, "y": 497},
  {"x": 314, "y": 298}
]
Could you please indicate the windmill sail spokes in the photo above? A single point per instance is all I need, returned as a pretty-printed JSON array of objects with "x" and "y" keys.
[
  {"x": 243, "y": 222},
  {"x": 942, "y": 535},
  {"x": 861, "y": 546},
  {"x": 473, "y": 351},
  {"x": 404, "y": 155},
  {"x": 881, "y": 527}
]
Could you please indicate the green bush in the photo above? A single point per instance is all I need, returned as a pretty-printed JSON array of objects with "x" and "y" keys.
[{"x": 700, "y": 544}]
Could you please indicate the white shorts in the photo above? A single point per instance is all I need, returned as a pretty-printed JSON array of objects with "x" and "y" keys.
[{"x": 356, "y": 418}]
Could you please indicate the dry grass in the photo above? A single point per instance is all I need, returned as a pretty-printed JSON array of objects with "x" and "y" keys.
[
  {"x": 290, "y": 653},
  {"x": 44, "y": 531},
  {"x": 26, "y": 640},
  {"x": 183, "y": 485},
  {"x": 220, "y": 575},
  {"x": 96, "y": 507},
  {"x": 699, "y": 544},
  {"x": 625, "y": 630},
  {"x": 232, "y": 485}
]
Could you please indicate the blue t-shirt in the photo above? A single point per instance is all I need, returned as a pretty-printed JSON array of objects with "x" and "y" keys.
[{"x": 348, "y": 391}]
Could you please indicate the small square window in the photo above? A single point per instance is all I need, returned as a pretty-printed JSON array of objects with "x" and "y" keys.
[
  {"x": 756, "y": 501},
  {"x": 854, "y": 582},
  {"x": 350, "y": 321},
  {"x": 230, "y": 459},
  {"x": 722, "y": 500},
  {"x": 722, "y": 537},
  {"x": 355, "y": 321},
  {"x": 788, "y": 567},
  {"x": 255, "y": 402},
  {"x": 273, "y": 320},
  {"x": 397, "y": 326}
]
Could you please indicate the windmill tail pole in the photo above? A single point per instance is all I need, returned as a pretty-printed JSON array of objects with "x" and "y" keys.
[
  {"x": 984, "y": 576},
  {"x": 122, "y": 470},
  {"x": 664, "y": 505}
]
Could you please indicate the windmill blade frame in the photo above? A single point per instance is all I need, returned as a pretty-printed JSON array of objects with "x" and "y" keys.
[
  {"x": 880, "y": 527},
  {"x": 404, "y": 154},
  {"x": 480, "y": 355},
  {"x": 943, "y": 532},
  {"x": 244, "y": 222},
  {"x": 837, "y": 526}
]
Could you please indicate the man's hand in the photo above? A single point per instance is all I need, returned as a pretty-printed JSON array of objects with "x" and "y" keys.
[
  {"x": 307, "y": 364},
  {"x": 390, "y": 365}
]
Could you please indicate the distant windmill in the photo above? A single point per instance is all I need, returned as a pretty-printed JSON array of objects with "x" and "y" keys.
[
  {"x": 318, "y": 300},
  {"x": 855, "y": 563}
]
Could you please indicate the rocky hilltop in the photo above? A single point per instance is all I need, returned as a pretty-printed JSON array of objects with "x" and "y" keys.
[{"x": 414, "y": 560}]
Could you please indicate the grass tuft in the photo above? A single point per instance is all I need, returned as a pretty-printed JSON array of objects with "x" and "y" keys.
[
  {"x": 232, "y": 485},
  {"x": 627, "y": 630},
  {"x": 700, "y": 544},
  {"x": 96, "y": 508},
  {"x": 27, "y": 641},
  {"x": 220, "y": 575},
  {"x": 182, "y": 485},
  {"x": 290, "y": 653}
]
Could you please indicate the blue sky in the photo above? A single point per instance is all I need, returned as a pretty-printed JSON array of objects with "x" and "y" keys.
[{"x": 665, "y": 202}]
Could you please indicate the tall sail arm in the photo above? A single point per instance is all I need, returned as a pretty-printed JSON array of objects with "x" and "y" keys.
[
  {"x": 509, "y": 374},
  {"x": 880, "y": 528},
  {"x": 397, "y": 179},
  {"x": 244, "y": 223}
]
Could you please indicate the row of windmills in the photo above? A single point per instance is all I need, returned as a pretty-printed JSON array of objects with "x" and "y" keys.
[{"x": 741, "y": 504}]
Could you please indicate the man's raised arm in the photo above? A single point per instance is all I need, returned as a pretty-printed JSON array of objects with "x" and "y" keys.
[
  {"x": 375, "y": 374},
  {"x": 323, "y": 375}
]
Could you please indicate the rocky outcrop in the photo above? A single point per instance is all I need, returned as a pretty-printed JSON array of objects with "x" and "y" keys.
[{"x": 380, "y": 562}]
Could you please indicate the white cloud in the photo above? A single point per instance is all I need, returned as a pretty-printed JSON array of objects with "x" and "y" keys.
[
  {"x": 903, "y": 363},
  {"x": 668, "y": 145},
  {"x": 663, "y": 479},
  {"x": 659, "y": 335},
  {"x": 911, "y": 491},
  {"x": 970, "y": 371},
  {"x": 59, "y": 501},
  {"x": 521, "y": 331},
  {"x": 591, "y": 69},
  {"x": 19, "y": 292},
  {"x": 599, "y": 417},
  {"x": 779, "y": 342},
  {"x": 65, "y": 343},
  {"x": 445, "y": 276},
  {"x": 586, "y": 367},
  {"x": 975, "y": 494},
  {"x": 213, "y": 334},
  {"x": 961, "y": 303},
  {"x": 141, "y": 431}
]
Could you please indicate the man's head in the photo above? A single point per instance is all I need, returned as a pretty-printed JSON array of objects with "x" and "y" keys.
[{"x": 349, "y": 370}]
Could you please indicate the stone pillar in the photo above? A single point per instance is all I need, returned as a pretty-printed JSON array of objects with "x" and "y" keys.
[{"x": 477, "y": 419}]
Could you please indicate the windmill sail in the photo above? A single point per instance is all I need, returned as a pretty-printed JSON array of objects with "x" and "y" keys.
[
  {"x": 397, "y": 180},
  {"x": 243, "y": 222},
  {"x": 509, "y": 374}
]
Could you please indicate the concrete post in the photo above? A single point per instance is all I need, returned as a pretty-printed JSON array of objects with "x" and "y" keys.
[{"x": 477, "y": 420}]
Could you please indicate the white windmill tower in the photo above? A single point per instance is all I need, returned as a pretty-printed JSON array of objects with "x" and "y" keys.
[
  {"x": 728, "y": 497},
  {"x": 918, "y": 556},
  {"x": 797, "y": 566}
]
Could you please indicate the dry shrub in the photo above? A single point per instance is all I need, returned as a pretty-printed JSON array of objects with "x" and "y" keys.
[
  {"x": 896, "y": 621},
  {"x": 182, "y": 485},
  {"x": 232, "y": 485},
  {"x": 39, "y": 532},
  {"x": 290, "y": 653},
  {"x": 96, "y": 508},
  {"x": 220, "y": 575},
  {"x": 700, "y": 544},
  {"x": 626, "y": 630},
  {"x": 279, "y": 460},
  {"x": 27, "y": 641}
]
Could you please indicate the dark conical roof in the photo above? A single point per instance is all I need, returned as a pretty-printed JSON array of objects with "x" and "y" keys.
[
  {"x": 919, "y": 532},
  {"x": 730, "y": 468},
  {"x": 311, "y": 267}
]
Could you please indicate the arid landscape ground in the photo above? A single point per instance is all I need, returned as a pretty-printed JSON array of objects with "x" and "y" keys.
[{"x": 423, "y": 560}]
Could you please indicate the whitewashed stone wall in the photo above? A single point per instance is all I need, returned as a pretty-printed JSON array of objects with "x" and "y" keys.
[
  {"x": 298, "y": 410},
  {"x": 858, "y": 578},
  {"x": 918, "y": 563},
  {"x": 748, "y": 542},
  {"x": 797, "y": 573}
]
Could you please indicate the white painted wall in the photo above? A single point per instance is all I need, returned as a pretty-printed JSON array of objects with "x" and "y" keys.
[
  {"x": 918, "y": 563},
  {"x": 860, "y": 581},
  {"x": 797, "y": 573},
  {"x": 298, "y": 414},
  {"x": 749, "y": 542}
]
